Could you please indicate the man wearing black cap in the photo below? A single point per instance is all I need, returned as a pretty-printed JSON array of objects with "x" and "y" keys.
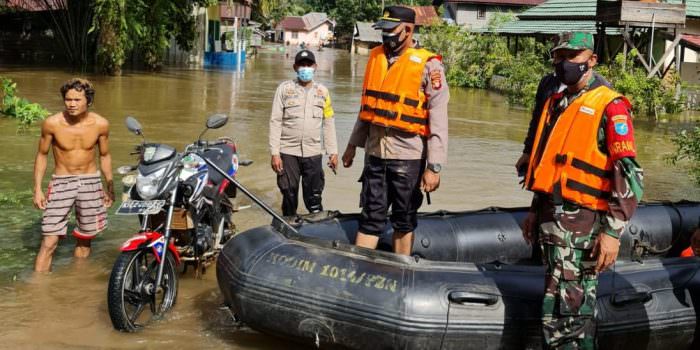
[
  {"x": 402, "y": 125},
  {"x": 301, "y": 116}
]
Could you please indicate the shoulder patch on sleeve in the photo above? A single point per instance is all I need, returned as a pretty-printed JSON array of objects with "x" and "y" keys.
[
  {"x": 327, "y": 107},
  {"x": 619, "y": 131},
  {"x": 620, "y": 124},
  {"x": 436, "y": 79}
]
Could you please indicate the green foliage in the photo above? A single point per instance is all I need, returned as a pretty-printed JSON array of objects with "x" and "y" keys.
[
  {"x": 523, "y": 74},
  {"x": 143, "y": 25},
  {"x": 473, "y": 59},
  {"x": 113, "y": 41},
  {"x": 18, "y": 108},
  {"x": 687, "y": 150},
  {"x": 649, "y": 96},
  {"x": 470, "y": 59},
  {"x": 271, "y": 12}
]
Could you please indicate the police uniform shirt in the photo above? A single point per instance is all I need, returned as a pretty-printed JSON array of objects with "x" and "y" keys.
[{"x": 298, "y": 117}]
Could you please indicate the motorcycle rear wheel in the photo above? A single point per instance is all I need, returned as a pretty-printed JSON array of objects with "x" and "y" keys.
[{"x": 132, "y": 289}]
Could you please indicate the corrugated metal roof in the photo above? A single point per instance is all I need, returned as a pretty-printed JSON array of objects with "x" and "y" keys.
[
  {"x": 33, "y": 5},
  {"x": 548, "y": 27},
  {"x": 586, "y": 9},
  {"x": 425, "y": 15},
  {"x": 306, "y": 22},
  {"x": 314, "y": 19},
  {"x": 291, "y": 23},
  {"x": 691, "y": 40},
  {"x": 692, "y": 7},
  {"x": 365, "y": 32},
  {"x": 562, "y": 9},
  {"x": 498, "y": 2}
]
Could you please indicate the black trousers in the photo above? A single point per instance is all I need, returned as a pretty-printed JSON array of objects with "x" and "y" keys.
[
  {"x": 310, "y": 170},
  {"x": 391, "y": 183}
]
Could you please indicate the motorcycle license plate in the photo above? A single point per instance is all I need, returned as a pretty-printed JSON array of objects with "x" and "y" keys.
[{"x": 132, "y": 207}]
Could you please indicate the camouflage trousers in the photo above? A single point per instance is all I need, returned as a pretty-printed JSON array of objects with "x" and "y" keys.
[{"x": 568, "y": 308}]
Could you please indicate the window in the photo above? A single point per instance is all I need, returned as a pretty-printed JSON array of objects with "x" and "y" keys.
[
  {"x": 480, "y": 13},
  {"x": 295, "y": 35}
]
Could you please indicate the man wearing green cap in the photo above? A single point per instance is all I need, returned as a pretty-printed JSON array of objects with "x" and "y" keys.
[
  {"x": 586, "y": 186},
  {"x": 549, "y": 84}
]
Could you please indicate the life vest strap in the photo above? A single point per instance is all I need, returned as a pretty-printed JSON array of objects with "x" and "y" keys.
[
  {"x": 583, "y": 188},
  {"x": 412, "y": 119},
  {"x": 392, "y": 115},
  {"x": 582, "y": 165},
  {"x": 591, "y": 169},
  {"x": 557, "y": 198},
  {"x": 387, "y": 96}
]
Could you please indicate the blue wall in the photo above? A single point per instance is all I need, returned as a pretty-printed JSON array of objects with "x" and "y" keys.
[{"x": 223, "y": 59}]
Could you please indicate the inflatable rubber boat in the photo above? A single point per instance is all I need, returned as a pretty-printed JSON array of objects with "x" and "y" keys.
[{"x": 472, "y": 283}]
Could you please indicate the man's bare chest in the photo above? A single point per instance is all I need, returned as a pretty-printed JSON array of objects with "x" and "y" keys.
[{"x": 72, "y": 138}]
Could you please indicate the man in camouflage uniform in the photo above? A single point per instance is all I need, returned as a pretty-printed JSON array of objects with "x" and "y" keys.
[{"x": 578, "y": 242}]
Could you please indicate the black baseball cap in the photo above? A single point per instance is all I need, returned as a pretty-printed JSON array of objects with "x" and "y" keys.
[
  {"x": 304, "y": 55},
  {"x": 394, "y": 15}
]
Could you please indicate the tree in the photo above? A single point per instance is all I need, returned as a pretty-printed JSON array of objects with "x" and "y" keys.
[
  {"x": 146, "y": 25},
  {"x": 112, "y": 40},
  {"x": 271, "y": 12},
  {"x": 347, "y": 12},
  {"x": 70, "y": 20}
]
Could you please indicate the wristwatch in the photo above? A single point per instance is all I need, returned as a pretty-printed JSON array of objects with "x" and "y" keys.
[{"x": 434, "y": 167}]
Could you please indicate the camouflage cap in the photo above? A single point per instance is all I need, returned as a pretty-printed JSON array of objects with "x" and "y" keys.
[{"x": 574, "y": 41}]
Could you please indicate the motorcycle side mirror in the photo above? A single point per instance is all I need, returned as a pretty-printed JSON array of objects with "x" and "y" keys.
[
  {"x": 216, "y": 121},
  {"x": 133, "y": 125}
]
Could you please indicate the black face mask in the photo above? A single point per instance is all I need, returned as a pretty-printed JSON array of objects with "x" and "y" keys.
[
  {"x": 570, "y": 73},
  {"x": 392, "y": 41}
]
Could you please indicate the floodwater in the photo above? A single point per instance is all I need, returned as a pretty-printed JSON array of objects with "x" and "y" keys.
[{"x": 68, "y": 309}]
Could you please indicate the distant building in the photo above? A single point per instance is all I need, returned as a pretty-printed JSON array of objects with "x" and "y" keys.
[
  {"x": 365, "y": 38},
  {"x": 220, "y": 29},
  {"x": 313, "y": 29},
  {"x": 555, "y": 16},
  {"x": 476, "y": 14},
  {"x": 425, "y": 16}
]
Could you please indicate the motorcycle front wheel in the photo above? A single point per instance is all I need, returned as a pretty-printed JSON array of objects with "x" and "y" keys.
[{"x": 132, "y": 289}]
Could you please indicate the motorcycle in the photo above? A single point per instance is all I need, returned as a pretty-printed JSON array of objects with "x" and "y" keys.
[{"x": 184, "y": 209}]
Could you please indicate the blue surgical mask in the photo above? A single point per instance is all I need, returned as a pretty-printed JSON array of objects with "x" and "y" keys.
[{"x": 305, "y": 74}]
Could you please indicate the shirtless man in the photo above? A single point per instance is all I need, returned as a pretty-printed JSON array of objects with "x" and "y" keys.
[{"x": 73, "y": 135}]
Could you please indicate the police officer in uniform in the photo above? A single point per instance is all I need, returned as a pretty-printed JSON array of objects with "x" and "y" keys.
[
  {"x": 402, "y": 125},
  {"x": 301, "y": 118},
  {"x": 586, "y": 186}
]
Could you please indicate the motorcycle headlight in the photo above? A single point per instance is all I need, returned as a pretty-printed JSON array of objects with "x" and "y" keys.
[{"x": 147, "y": 186}]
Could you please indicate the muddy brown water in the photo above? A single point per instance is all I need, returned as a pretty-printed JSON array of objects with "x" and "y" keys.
[{"x": 68, "y": 309}]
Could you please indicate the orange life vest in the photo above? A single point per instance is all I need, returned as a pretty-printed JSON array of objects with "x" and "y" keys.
[
  {"x": 568, "y": 164},
  {"x": 392, "y": 97}
]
